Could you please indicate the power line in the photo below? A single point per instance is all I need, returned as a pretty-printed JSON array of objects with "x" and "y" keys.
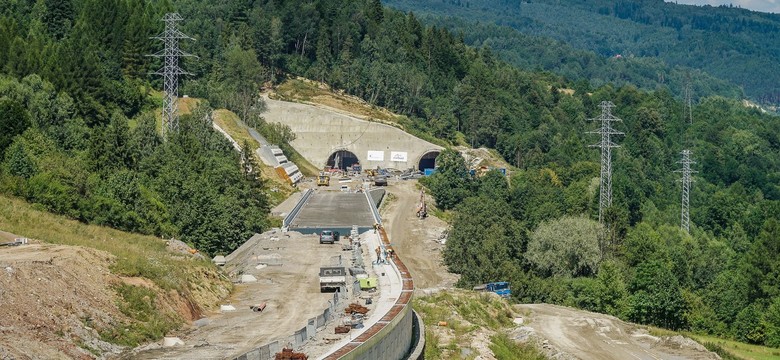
[
  {"x": 171, "y": 70},
  {"x": 606, "y": 131},
  {"x": 686, "y": 180}
]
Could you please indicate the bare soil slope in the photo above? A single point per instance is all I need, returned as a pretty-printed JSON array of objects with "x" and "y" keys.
[
  {"x": 567, "y": 333},
  {"x": 60, "y": 299},
  {"x": 52, "y": 298}
]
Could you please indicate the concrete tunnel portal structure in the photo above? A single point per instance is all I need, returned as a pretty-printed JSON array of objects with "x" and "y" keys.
[
  {"x": 428, "y": 160},
  {"x": 342, "y": 159},
  {"x": 329, "y": 138}
]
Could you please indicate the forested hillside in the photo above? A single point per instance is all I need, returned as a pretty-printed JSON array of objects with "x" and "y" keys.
[
  {"x": 540, "y": 53},
  {"x": 81, "y": 141},
  {"x": 78, "y": 133},
  {"x": 734, "y": 44}
]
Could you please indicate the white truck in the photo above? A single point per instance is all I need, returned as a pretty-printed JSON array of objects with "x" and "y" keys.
[{"x": 332, "y": 278}]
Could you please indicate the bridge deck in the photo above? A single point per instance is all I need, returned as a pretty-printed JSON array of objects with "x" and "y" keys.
[{"x": 334, "y": 210}]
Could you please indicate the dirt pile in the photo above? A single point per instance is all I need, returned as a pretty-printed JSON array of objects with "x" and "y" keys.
[
  {"x": 55, "y": 300},
  {"x": 63, "y": 302}
]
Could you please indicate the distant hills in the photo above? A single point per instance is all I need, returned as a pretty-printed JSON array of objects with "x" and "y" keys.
[{"x": 658, "y": 42}]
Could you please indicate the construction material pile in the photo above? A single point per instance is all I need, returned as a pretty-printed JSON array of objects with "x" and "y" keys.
[
  {"x": 355, "y": 308},
  {"x": 289, "y": 354}
]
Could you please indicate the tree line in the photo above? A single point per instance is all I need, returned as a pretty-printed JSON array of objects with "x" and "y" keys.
[
  {"x": 726, "y": 42},
  {"x": 538, "y": 229}
]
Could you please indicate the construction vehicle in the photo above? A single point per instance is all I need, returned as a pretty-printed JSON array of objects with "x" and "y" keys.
[
  {"x": 422, "y": 209},
  {"x": 323, "y": 179},
  {"x": 332, "y": 278},
  {"x": 501, "y": 288},
  {"x": 371, "y": 172}
]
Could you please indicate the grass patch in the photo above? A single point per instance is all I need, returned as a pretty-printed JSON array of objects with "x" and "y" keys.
[
  {"x": 736, "y": 349},
  {"x": 229, "y": 121},
  {"x": 148, "y": 322},
  {"x": 432, "y": 350},
  {"x": 306, "y": 168},
  {"x": 312, "y": 92},
  {"x": 482, "y": 309},
  {"x": 307, "y": 91},
  {"x": 446, "y": 215},
  {"x": 136, "y": 255},
  {"x": 386, "y": 201},
  {"x": 279, "y": 188},
  {"x": 727, "y": 349},
  {"x": 505, "y": 348}
]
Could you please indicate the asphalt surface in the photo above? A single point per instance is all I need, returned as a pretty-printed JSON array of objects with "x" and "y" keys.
[{"x": 335, "y": 209}]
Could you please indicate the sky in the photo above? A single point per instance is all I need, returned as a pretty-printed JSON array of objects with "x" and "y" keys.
[{"x": 772, "y": 6}]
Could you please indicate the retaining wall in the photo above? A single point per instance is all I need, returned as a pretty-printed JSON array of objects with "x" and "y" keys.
[{"x": 391, "y": 338}]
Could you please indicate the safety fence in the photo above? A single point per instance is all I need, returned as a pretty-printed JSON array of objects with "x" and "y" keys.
[{"x": 299, "y": 337}]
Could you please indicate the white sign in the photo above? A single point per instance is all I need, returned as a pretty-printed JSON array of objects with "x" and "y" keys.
[
  {"x": 376, "y": 156},
  {"x": 401, "y": 156}
]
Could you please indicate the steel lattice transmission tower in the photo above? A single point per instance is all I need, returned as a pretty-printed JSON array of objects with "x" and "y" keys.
[
  {"x": 688, "y": 100},
  {"x": 606, "y": 145},
  {"x": 686, "y": 180},
  {"x": 171, "y": 70}
]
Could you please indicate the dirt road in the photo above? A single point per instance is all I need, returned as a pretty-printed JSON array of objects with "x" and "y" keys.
[
  {"x": 414, "y": 240},
  {"x": 567, "y": 333}
]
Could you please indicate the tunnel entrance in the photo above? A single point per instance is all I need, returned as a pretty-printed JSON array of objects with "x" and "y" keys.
[
  {"x": 342, "y": 159},
  {"x": 428, "y": 160}
]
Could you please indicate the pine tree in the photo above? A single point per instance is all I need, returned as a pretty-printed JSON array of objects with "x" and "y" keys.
[
  {"x": 324, "y": 54},
  {"x": 59, "y": 17}
]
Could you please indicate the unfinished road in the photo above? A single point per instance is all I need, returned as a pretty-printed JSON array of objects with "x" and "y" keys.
[
  {"x": 286, "y": 267},
  {"x": 576, "y": 334},
  {"x": 335, "y": 210},
  {"x": 416, "y": 241}
]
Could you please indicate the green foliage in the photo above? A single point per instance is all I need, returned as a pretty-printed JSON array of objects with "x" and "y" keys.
[
  {"x": 658, "y": 43},
  {"x": 190, "y": 187},
  {"x": 568, "y": 246},
  {"x": 13, "y": 121},
  {"x": 748, "y": 326},
  {"x": 450, "y": 184},
  {"x": 771, "y": 321},
  {"x": 504, "y": 348},
  {"x": 148, "y": 322},
  {"x": 482, "y": 244},
  {"x": 656, "y": 298}
]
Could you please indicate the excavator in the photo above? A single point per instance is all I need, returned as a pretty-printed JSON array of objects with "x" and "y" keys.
[{"x": 422, "y": 209}]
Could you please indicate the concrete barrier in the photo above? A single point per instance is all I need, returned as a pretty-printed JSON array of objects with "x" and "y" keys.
[{"x": 297, "y": 209}]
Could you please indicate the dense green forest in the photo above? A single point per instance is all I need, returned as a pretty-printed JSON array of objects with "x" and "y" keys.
[
  {"x": 545, "y": 54},
  {"x": 78, "y": 133},
  {"x": 79, "y": 139},
  {"x": 730, "y": 43},
  {"x": 539, "y": 230}
]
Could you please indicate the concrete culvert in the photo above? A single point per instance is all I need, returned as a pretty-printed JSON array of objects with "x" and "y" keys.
[
  {"x": 342, "y": 159},
  {"x": 428, "y": 160}
]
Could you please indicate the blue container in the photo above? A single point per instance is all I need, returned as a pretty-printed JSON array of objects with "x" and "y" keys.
[{"x": 428, "y": 172}]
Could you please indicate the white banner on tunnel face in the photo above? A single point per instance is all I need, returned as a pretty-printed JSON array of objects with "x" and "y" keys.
[
  {"x": 375, "y": 156},
  {"x": 401, "y": 156}
]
